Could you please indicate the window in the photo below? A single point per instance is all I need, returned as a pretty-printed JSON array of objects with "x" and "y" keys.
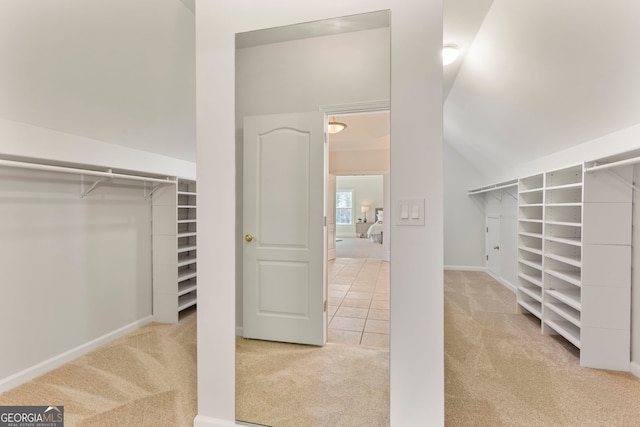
[{"x": 344, "y": 207}]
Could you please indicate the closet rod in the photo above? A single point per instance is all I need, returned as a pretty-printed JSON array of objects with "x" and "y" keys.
[
  {"x": 78, "y": 171},
  {"x": 491, "y": 188},
  {"x": 625, "y": 162}
]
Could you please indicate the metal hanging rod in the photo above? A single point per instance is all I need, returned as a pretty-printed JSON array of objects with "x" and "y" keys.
[
  {"x": 80, "y": 171},
  {"x": 493, "y": 187},
  {"x": 611, "y": 165}
]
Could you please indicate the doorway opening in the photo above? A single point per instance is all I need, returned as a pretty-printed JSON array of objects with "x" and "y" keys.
[{"x": 358, "y": 273}]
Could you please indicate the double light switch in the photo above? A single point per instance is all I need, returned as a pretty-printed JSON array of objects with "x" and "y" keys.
[{"x": 411, "y": 212}]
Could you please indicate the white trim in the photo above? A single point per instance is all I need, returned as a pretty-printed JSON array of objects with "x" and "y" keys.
[
  {"x": 634, "y": 368},
  {"x": 204, "y": 421},
  {"x": 503, "y": 282},
  {"x": 239, "y": 331},
  {"x": 356, "y": 107},
  {"x": 59, "y": 360},
  {"x": 465, "y": 268}
]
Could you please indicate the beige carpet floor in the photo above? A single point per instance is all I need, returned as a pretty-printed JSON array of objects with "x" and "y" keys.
[
  {"x": 501, "y": 371},
  {"x": 293, "y": 385},
  {"x": 146, "y": 378}
]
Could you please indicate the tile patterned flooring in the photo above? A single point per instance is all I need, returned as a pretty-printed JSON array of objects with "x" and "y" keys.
[{"x": 359, "y": 302}]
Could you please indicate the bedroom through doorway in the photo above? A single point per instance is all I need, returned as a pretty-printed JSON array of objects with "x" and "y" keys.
[{"x": 358, "y": 275}]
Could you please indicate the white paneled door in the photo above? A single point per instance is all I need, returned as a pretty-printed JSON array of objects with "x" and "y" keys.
[
  {"x": 493, "y": 245},
  {"x": 284, "y": 234}
]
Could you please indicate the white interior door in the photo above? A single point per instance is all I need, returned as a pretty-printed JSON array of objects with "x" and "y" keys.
[
  {"x": 331, "y": 217},
  {"x": 284, "y": 234},
  {"x": 493, "y": 245}
]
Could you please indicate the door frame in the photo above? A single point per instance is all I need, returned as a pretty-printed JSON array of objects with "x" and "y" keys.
[{"x": 361, "y": 107}]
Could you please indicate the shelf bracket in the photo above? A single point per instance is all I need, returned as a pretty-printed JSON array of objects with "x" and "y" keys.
[
  {"x": 153, "y": 190},
  {"x": 624, "y": 181},
  {"x": 84, "y": 193}
]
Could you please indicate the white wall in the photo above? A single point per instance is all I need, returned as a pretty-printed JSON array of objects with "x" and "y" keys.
[
  {"x": 621, "y": 141},
  {"x": 345, "y": 162},
  {"x": 417, "y": 365},
  {"x": 464, "y": 216},
  {"x": 368, "y": 190},
  {"x": 73, "y": 269},
  {"x": 337, "y": 69},
  {"x": 25, "y": 140}
]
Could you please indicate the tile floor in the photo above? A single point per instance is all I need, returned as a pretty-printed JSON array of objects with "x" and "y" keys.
[{"x": 359, "y": 302}]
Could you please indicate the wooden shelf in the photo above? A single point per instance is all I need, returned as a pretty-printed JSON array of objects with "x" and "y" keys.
[
  {"x": 574, "y": 241},
  {"x": 187, "y": 221},
  {"x": 568, "y": 276},
  {"x": 530, "y": 249},
  {"x": 186, "y": 261},
  {"x": 532, "y": 307},
  {"x": 187, "y": 248},
  {"x": 533, "y": 280},
  {"x": 569, "y": 314},
  {"x": 567, "y": 329},
  {"x": 537, "y": 235},
  {"x": 187, "y": 234},
  {"x": 571, "y": 297},
  {"x": 535, "y": 293},
  {"x": 187, "y": 286},
  {"x": 565, "y": 186},
  {"x": 187, "y": 300},
  {"x": 534, "y": 264},
  {"x": 566, "y": 223},
  {"x": 574, "y": 260}
]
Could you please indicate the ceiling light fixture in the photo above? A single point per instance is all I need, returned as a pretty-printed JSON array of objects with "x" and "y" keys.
[
  {"x": 335, "y": 127},
  {"x": 450, "y": 53}
]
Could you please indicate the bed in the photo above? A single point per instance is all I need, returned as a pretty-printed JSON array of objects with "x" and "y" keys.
[{"x": 375, "y": 231}]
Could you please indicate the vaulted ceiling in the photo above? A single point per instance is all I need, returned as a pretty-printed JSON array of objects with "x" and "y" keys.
[
  {"x": 542, "y": 76},
  {"x": 535, "y": 77}
]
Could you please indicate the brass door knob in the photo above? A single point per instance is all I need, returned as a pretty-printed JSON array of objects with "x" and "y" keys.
[{"x": 248, "y": 238}]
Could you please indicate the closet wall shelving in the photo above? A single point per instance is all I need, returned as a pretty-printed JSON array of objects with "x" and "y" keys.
[
  {"x": 565, "y": 217},
  {"x": 174, "y": 250}
]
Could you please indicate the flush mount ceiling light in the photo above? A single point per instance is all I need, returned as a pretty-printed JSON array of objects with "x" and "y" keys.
[
  {"x": 450, "y": 53},
  {"x": 335, "y": 127}
]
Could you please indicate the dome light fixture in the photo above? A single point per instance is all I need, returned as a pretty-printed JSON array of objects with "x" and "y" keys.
[
  {"x": 335, "y": 127},
  {"x": 450, "y": 53}
]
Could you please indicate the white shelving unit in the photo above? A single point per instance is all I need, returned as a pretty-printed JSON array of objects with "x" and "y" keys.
[
  {"x": 174, "y": 250},
  {"x": 574, "y": 260},
  {"x": 530, "y": 244}
]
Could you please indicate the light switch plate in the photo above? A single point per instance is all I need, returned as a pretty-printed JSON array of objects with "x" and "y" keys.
[{"x": 411, "y": 212}]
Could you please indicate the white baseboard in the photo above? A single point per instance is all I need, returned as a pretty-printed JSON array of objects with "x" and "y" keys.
[
  {"x": 634, "y": 368},
  {"x": 465, "y": 268},
  {"x": 239, "y": 331},
  {"x": 59, "y": 360},
  {"x": 203, "y": 421},
  {"x": 503, "y": 282},
  {"x": 386, "y": 256}
]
